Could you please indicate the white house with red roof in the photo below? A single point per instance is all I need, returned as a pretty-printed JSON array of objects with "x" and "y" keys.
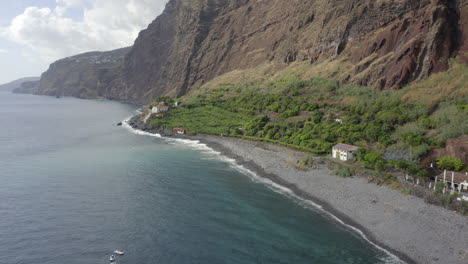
[
  {"x": 159, "y": 109},
  {"x": 344, "y": 152}
]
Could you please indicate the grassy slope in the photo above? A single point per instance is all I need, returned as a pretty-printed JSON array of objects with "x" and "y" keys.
[{"x": 277, "y": 105}]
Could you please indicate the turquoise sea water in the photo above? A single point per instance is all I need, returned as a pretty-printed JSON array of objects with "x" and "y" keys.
[{"x": 74, "y": 187}]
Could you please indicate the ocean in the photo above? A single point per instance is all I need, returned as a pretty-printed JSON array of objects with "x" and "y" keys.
[{"x": 74, "y": 187}]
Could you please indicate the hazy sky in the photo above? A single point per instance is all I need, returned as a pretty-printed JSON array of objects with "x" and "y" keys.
[{"x": 34, "y": 33}]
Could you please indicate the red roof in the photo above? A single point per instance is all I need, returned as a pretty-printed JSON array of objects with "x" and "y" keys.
[
  {"x": 178, "y": 128},
  {"x": 161, "y": 106}
]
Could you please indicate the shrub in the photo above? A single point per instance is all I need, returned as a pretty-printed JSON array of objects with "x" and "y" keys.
[
  {"x": 343, "y": 171},
  {"x": 464, "y": 207},
  {"x": 372, "y": 160},
  {"x": 450, "y": 163},
  {"x": 385, "y": 177},
  {"x": 424, "y": 174},
  {"x": 451, "y": 121},
  {"x": 439, "y": 186},
  {"x": 308, "y": 160}
]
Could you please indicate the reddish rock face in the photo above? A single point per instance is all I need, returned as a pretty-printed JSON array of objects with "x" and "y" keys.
[
  {"x": 463, "y": 27},
  {"x": 389, "y": 42},
  {"x": 456, "y": 147},
  {"x": 205, "y": 39},
  {"x": 421, "y": 42}
]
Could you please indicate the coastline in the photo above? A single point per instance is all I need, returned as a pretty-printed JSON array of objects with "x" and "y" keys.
[{"x": 402, "y": 225}]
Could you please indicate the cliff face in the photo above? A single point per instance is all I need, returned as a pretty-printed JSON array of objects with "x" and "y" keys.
[
  {"x": 86, "y": 75},
  {"x": 388, "y": 43},
  {"x": 17, "y": 83},
  {"x": 29, "y": 87}
]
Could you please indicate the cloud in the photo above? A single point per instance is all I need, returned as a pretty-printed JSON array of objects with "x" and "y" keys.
[
  {"x": 3, "y": 51},
  {"x": 53, "y": 33}
]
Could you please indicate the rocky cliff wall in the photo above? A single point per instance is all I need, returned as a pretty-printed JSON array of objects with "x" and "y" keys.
[
  {"x": 86, "y": 75},
  {"x": 17, "y": 83},
  {"x": 388, "y": 43}
]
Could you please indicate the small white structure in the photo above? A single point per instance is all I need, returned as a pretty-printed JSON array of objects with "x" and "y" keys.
[
  {"x": 179, "y": 130},
  {"x": 177, "y": 103},
  {"x": 344, "y": 151},
  {"x": 339, "y": 120},
  {"x": 159, "y": 109}
]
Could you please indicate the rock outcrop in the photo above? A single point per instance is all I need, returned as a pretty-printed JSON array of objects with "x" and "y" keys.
[
  {"x": 86, "y": 75},
  {"x": 387, "y": 43},
  {"x": 30, "y": 87},
  {"x": 454, "y": 147}
]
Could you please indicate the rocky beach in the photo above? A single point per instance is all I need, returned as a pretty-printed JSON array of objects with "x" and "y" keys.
[{"x": 404, "y": 225}]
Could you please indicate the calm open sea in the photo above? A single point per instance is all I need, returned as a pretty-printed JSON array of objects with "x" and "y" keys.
[{"x": 74, "y": 187}]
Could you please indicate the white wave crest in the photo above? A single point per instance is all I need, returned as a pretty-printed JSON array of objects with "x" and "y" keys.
[{"x": 126, "y": 125}]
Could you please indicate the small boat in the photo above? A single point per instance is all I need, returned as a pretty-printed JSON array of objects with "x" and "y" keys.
[
  {"x": 112, "y": 258},
  {"x": 119, "y": 252}
]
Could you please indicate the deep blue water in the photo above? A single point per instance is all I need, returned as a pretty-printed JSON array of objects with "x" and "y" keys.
[{"x": 74, "y": 187}]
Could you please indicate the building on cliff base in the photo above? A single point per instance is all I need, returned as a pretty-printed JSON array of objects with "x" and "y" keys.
[
  {"x": 179, "y": 130},
  {"x": 344, "y": 152},
  {"x": 159, "y": 109}
]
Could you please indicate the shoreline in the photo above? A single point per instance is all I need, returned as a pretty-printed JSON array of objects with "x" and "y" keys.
[
  {"x": 414, "y": 243},
  {"x": 327, "y": 209},
  {"x": 400, "y": 225}
]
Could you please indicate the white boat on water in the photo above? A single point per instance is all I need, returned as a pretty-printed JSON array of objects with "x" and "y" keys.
[
  {"x": 119, "y": 252},
  {"x": 112, "y": 258}
]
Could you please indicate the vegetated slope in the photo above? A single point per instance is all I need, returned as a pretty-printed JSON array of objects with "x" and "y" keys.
[
  {"x": 382, "y": 44},
  {"x": 427, "y": 119},
  {"x": 17, "y": 83}
]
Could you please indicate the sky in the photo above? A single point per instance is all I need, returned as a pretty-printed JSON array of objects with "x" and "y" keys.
[{"x": 35, "y": 33}]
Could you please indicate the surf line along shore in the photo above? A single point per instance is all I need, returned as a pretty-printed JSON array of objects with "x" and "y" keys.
[{"x": 402, "y": 225}]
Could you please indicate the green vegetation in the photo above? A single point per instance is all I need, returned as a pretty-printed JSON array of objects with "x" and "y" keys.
[
  {"x": 204, "y": 119},
  {"x": 450, "y": 163},
  {"x": 395, "y": 129},
  {"x": 464, "y": 208},
  {"x": 167, "y": 100},
  {"x": 372, "y": 160},
  {"x": 307, "y": 162},
  {"x": 343, "y": 171},
  {"x": 313, "y": 115}
]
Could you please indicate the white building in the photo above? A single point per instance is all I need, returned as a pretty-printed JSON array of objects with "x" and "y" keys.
[
  {"x": 179, "y": 130},
  {"x": 344, "y": 151},
  {"x": 159, "y": 109}
]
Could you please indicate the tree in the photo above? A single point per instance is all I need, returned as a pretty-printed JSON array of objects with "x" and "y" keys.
[
  {"x": 450, "y": 163},
  {"x": 424, "y": 174}
]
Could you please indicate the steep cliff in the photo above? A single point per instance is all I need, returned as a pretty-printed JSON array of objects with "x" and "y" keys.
[
  {"x": 86, "y": 75},
  {"x": 385, "y": 44},
  {"x": 17, "y": 83}
]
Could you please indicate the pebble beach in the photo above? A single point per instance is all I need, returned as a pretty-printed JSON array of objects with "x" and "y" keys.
[{"x": 404, "y": 225}]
